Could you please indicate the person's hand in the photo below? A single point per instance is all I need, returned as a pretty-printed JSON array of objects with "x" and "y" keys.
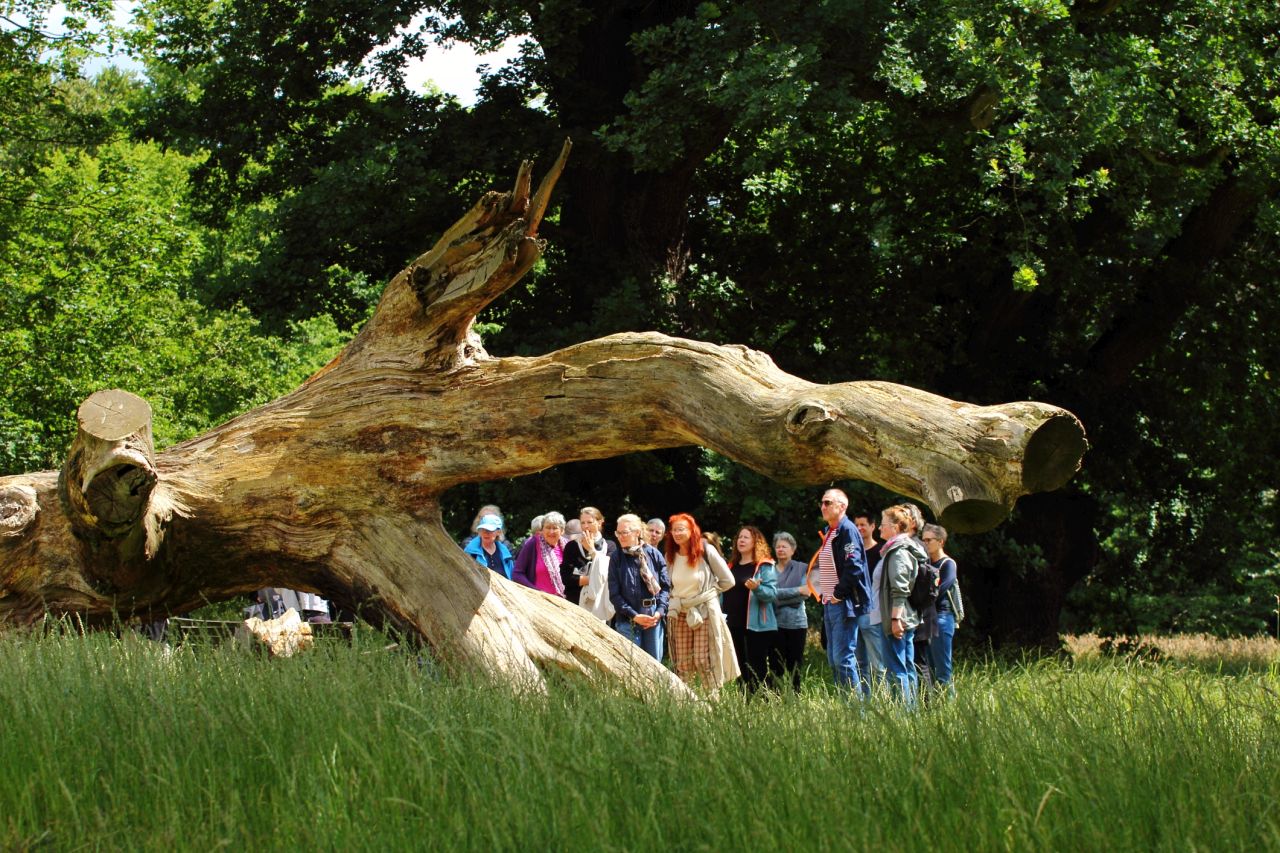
[
  {"x": 644, "y": 621},
  {"x": 897, "y": 628},
  {"x": 583, "y": 580},
  {"x": 751, "y": 583}
]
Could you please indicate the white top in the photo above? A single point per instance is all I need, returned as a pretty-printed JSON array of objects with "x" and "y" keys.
[
  {"x": 687, "y": 581},
  {"x": 874, "y": 612}
]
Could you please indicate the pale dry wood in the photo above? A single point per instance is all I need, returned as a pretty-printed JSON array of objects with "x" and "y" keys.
[{"x": 335, "y": 486}]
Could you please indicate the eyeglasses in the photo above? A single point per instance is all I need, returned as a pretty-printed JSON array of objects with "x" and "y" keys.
[
  {"x": 930, "y": 539},
  {"x": 825, "y": 502}
]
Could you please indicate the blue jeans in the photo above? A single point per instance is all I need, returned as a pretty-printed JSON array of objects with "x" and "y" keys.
[
  {"x": 842, "y": 645},
  {"x": 899, "y": 664},
  {"x": 870, "y": 656},
  {"x": 940, "y": 648},
  {"x": 648, "y": 639}
]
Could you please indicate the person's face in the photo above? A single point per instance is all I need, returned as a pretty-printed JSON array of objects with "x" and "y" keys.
[
  {"x": 552, "y": 533},
  {"x": 628, "y": 534},
  {"x": 887, "y": 528},
  {"x": 590, "y": 526},
  {"x": 656, "y": 532},
  {"x": 680, "y": 534},
  {"x": 746, "y": 545},
  {"x": 864, "y": 526},
  {"x": 784, "y": 551},
  {"x": 933, "y": 545},
  {"x": 832, "y": 507},
  {"x": 488, "y": 537}
]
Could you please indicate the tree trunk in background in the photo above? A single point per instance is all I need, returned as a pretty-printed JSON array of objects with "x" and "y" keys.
[{"x": 335, "y": 487}]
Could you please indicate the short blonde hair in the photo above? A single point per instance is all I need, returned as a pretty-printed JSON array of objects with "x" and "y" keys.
[{"x": 631, "y": 520}]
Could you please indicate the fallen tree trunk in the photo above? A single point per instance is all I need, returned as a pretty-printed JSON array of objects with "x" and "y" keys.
[{"x": 335, "y": 487}]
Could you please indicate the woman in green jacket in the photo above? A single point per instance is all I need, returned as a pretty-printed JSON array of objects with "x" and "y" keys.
[{"x": 900, "y": 555}]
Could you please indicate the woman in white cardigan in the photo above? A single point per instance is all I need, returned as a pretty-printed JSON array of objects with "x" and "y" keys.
[{"x": 700, "y": 643}]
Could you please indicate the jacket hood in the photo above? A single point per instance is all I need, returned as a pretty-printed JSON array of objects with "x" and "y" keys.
[{"x": 913, "y": 545}]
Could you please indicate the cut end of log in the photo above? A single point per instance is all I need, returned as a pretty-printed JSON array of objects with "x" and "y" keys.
[
  {"x": 18, "y": 508},
  {"x": 114, "y": 415},
  {"x": 1054, "y": 453},
  {"x": 972, "y": 516}
]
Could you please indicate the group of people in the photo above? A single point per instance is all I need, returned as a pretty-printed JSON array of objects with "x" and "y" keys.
[{"x": 669, "y": 586}]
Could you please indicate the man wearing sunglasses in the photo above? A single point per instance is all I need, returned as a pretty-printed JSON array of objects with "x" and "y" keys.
[{"x": 843, "y": 586}]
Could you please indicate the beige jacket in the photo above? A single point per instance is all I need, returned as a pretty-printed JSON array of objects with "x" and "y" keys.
[{"x": 703, "y": 610}]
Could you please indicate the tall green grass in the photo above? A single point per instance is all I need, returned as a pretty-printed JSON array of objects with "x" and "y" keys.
[{"x": 110, "y": 744}]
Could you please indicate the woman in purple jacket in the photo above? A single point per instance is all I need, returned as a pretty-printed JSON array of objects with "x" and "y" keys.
[{"x": 538, "y": 563}]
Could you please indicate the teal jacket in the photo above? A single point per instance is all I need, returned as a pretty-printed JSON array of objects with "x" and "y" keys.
[{"x": 760, "y": 613}]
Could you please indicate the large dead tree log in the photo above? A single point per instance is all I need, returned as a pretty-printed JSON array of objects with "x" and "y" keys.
[{"x": 335, "y": 487}]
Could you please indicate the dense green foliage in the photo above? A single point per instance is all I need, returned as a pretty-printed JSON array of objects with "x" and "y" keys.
[
  {"x": 118, "y": 744},
  {"x": 991, "y": 200}
]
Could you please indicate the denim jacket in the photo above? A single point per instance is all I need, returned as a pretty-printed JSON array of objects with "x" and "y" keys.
[{"x": 792, "y": 591}]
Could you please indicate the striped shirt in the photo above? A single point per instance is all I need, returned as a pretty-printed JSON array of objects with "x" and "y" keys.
[{"x": 827, "y": 570}]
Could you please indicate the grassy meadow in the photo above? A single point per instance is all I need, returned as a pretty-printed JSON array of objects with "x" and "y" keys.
[{"x": 116, "y": 744}]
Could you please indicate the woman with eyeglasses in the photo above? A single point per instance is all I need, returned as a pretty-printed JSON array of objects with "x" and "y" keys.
[
  {"x": 748, "y": 607},
  {"x": 701, "y": 648},
  {"x": 538, "y": 563},
  {"x": 793, "y": 622},
  {"x": 943, "y": 628}
]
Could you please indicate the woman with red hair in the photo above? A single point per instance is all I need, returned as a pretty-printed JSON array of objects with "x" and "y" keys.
[{"x": 700, "y": 643}]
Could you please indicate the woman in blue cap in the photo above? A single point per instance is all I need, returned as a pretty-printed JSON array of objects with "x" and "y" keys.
[{"x": 488, "y": 550}]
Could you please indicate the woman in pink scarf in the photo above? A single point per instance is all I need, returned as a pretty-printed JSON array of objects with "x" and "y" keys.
[{"x": 538, "y": 563}]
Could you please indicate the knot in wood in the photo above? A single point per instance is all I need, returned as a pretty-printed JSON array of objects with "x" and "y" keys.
[{"x": 808, "y": 417}]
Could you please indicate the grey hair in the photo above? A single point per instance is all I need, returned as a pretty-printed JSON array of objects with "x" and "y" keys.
[
  {"x": 552, "y": 519},
  {"x": 783, "y": 536},
  {"x": 840, "y": 495},
  {"x": 536, "y": 524},
  {"x": 937, "y": 530},
  {"x": 658, "y": 522}
]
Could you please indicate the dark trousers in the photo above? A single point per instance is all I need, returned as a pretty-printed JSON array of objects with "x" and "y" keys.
[
  {"x": 788, "y": 657},
  {"x": 760, "y": 646},
  {"x": 740, "y": 650}
]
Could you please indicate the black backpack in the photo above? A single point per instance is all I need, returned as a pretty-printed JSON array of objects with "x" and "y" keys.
[{"x": 924, "y": 591}]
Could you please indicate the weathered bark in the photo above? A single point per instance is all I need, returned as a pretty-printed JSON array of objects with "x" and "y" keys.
[{"x": 335, "y": 486}]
